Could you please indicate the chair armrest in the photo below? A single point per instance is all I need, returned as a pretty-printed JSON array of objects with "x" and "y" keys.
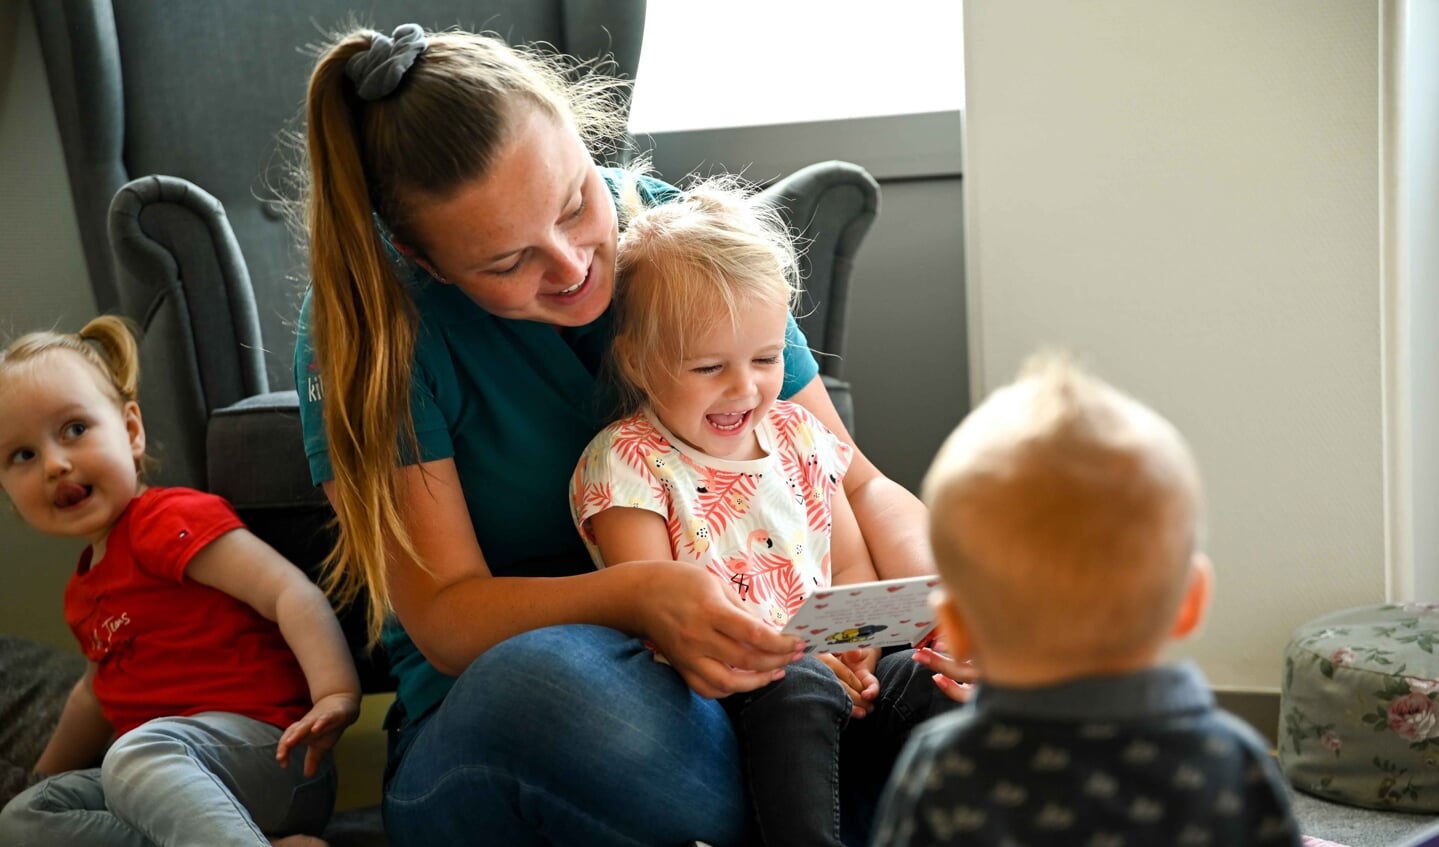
[
  {"x": 181, "y": 278},
  {"x": 830, "y": 206}
]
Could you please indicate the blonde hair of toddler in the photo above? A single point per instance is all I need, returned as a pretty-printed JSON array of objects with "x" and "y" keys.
[
  {"x": 714, "y": 254},
  {"x": 1065, "y": 517},
  {"x": 107, "y": 344}
]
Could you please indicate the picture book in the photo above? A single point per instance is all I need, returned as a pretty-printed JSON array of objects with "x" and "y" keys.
[{"x": 866, "y": 614}]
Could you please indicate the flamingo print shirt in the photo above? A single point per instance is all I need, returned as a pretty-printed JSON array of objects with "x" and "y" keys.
[{"x": 762, "y": 525}]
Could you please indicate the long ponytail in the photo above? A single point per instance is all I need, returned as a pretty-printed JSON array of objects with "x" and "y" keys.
[{"x": 363, "y": 331}]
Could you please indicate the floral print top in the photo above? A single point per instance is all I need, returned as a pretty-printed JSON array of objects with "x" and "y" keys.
[{"x": 762, "y": 526}]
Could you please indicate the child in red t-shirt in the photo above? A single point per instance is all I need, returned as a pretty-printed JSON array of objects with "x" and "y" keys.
[{"x": 217, "y": 669}]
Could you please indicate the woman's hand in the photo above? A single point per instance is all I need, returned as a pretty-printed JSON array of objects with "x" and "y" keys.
[
  {"x": 954, "y": 677},
  {"x": 702, "y": 629},
  {"x": 855, "y": 671}
]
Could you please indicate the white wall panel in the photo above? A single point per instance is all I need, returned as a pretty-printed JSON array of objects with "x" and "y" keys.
[{"x": 1188, "y": 195}]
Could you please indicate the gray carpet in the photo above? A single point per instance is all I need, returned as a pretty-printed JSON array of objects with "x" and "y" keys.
[{"x": 1357, "y": 827}]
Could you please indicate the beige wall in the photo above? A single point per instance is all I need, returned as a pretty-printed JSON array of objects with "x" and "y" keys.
[
  {"x": 43, "y": 283},
  {"x": 1189, "y": 195}
]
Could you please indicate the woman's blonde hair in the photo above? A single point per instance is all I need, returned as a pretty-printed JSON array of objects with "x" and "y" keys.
[
  {"x": 442, "y": 127},
  {"x": 715, "y": 253},
  {"x": 106, "y": 343}
]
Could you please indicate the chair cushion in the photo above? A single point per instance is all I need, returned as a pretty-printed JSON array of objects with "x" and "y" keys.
[
  {"x": 1359, "y": 722},
  {"x": 255, "y": 454}
]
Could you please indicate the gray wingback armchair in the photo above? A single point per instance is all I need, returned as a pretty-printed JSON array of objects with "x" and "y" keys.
[{"x": 170, "y": 116}]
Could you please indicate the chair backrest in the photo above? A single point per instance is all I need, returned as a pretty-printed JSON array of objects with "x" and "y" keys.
[
  {"x": 202, "y": 90},
  {"x": 830, "y": 206}
]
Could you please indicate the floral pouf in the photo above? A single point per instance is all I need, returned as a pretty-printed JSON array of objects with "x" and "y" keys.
[{"x": 1358, "y": 718}]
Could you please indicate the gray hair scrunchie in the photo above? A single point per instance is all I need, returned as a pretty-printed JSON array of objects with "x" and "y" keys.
[{"x": 378, "y": 70}]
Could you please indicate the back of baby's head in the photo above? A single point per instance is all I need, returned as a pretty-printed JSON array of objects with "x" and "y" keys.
[
  {"x": 716, "y": 253},
  {"x": 1064, "y": 515},
  {"x": 106, "y": 344}
]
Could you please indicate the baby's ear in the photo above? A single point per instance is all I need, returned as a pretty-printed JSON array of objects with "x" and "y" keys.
[
  {"x": 134, "y": 428},
  {"x": 953, "y": 630},
  {"x": 1196, "y": 597}
]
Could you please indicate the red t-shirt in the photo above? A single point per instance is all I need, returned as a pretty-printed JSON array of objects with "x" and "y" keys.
[{"x": 166, "y": 645}]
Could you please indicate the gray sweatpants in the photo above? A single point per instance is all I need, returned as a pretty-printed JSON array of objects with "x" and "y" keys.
[{"x": 207, "y": 779}]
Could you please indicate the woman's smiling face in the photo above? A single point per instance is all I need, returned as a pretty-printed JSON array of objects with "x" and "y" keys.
[{"x": 534, "y": 238}]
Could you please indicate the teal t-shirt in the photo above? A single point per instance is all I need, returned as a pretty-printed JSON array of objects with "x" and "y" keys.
[{"x": 514, "y": 403}]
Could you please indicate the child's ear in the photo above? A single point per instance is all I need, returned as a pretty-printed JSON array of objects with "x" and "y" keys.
[
  {"x": 624, "y": 355},
  {"x": 135, "y": 428},
  {"x": 1196, "y": 597},
  {"x": 952, "y": 628}
]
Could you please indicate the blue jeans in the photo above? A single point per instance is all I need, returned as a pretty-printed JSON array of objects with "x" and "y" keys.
[
  {"x": 813, "y": 775},
  {"x": 206, "y": 779},
  {"x": 569, "y": 735}
]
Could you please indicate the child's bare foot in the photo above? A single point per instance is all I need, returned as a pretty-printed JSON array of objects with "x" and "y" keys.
[{"x": 299, "y": 841}]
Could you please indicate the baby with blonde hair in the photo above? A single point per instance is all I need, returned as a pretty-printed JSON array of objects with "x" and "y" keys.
[
  {"x": 709, "y": 466},
  {"x": 218, "y": 678},
  {"x": 1065, "y": 522}
]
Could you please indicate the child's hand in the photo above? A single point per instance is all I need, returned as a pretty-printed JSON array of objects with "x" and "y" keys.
[
  {"x": 855, "y": 671},
  {"x": 319, "y": 729},
  {"x": 954, "y": 677}
]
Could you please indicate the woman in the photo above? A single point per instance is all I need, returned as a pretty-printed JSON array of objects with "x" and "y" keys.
[{"x": 462, "y": 247}]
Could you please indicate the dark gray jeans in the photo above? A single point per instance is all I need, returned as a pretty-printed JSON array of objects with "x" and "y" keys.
[{"x": 813, "y": 775}]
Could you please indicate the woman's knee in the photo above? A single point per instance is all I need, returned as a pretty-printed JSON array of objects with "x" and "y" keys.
[
  {"x": 561, "y": 669},
  {"x": 557, "y": 653},
  {"x": 581, "y": 720},
  {"x": 537, "y": 699},
  {"x": 584, "y": 684}
]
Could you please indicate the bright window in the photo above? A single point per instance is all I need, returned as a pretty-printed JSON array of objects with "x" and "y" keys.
[{"x": 755, "y": 62}]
